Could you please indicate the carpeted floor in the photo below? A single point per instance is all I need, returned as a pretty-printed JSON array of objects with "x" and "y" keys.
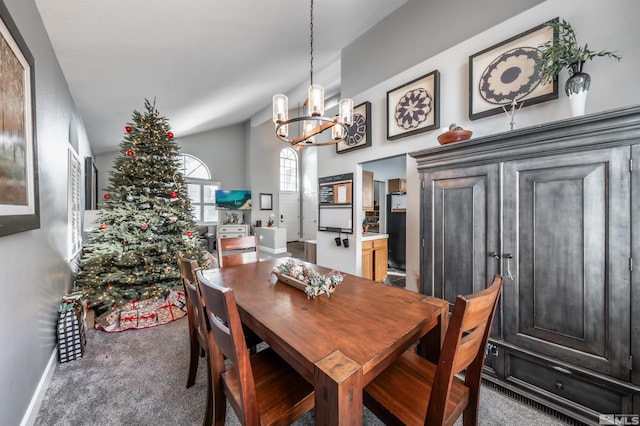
[{"x": 138, "y": 377}]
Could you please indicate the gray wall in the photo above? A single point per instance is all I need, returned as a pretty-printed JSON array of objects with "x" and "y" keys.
[
  {"x": 35, "y": 271},
  {"x": 263, "y": 168},
  {"x": 222, "y": 150},
  {"x": 418, "y": 30},
  {"x": 607, "y": 25}
]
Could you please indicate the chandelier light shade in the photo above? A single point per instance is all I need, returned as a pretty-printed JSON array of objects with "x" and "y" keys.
[
  {"x": 314, "y": 122},
  {"x": 280, "y": 108},
  {"x": 315, "y": 107}
]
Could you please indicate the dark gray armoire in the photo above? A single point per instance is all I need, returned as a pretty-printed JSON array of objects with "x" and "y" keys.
[{"x": 555, "y": 209}]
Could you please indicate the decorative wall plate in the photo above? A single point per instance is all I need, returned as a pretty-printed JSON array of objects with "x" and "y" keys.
[
  {"x": 414, "y": 107},
  {"x": 509, "y": 71}
]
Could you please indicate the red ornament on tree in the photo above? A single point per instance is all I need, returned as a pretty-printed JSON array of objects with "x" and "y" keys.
[
  {"x": 106, "y": 196},
  {"x": 189, "y": 234},
  {"x": 103, "y": 226},
  {"x": 188, "y": 202},
  {"x": 127, "y": 128},
  {"x": 144, "y": 226},
  {"x": 130, "y": 153},
  {"x": 170, "y": 135},
  {"x": 174, "y": 195}
]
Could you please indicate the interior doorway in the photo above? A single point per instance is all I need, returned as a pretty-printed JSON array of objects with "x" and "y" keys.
[{"x": 289, "y": 208}]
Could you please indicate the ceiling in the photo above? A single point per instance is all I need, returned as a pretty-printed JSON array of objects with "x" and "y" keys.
[{"x": 208, "y": 63}]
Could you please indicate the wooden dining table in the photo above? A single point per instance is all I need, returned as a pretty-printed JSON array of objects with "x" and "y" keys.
[{"x": 338, "y": 343}]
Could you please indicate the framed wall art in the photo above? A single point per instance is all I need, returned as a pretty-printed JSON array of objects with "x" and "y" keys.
[
  {"x": 414, "y": 107},
  {"x": 19, "y": 206},
  {"x": 508, "y": 73},
  {"x": 266, "y": 201},
  {"x": 359, "y": 135}
]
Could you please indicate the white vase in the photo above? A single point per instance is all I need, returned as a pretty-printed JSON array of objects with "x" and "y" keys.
[
  {"x": 577, "y": 89},
  {"x": 577, "y": 103}
]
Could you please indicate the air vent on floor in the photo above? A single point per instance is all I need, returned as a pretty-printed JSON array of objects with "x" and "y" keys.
[{"x": 531, "y": 403}]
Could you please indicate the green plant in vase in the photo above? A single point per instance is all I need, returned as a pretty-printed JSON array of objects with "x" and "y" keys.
[
  {"x": 565, "y": 53},
  {"x": 365, "y": 225}
]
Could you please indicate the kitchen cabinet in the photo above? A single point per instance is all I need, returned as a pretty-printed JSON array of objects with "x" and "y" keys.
[
  {"x": 550, "y": 208},
  {"x": 397, "y": 185},
  {"x": 367, "y": 191},
  {"x": 375, "y": 258}
]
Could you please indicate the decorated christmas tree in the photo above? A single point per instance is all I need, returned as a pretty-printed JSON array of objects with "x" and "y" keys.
[{"x": 144, "y": 220}]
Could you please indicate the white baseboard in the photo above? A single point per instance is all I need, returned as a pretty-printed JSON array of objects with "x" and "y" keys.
[
  {"x": 30, "y": 415},
  {"x": 273, "y": 251}
]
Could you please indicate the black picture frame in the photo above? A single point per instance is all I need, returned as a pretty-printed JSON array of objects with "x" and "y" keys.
[
  {"x": 508, "y": 72},
  {"x": 422, "y": 96},
  {"x": 19, "y": 196},
  {"x": 266, "y": 201},
  {"x": 359, "y": 135}
]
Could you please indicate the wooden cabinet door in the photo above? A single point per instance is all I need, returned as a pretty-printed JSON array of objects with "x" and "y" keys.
[
  {"x": 367, "y": 191},
  {"x": 460, "y": 227},
  {"x": 367, "y": 260},
  {"x": 380, "y": 259},
  {"x": 567, "y": 226}
]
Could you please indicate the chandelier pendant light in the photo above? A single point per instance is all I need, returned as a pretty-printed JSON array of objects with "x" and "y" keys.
[{"x": 314, "y": 122}]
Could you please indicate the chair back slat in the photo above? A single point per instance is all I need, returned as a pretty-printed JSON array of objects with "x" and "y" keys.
[
  {"x": 194, "y": 302},
  {"x": 464, "y": 345},
  {"x": 187, "y": 266},
  {"x": 226, "y": 338},
  {"x": 245, "y": 250}
]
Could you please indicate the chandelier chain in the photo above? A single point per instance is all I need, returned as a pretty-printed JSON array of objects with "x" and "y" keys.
[{"x": 311, "y": 42}]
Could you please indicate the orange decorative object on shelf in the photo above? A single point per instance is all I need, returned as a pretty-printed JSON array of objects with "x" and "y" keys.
[{"x": 454, "y": 136}]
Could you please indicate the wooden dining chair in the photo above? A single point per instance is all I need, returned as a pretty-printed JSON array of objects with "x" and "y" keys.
[
  {"x": 414, "y": 391},
  {"x": 261, "y": 388},
  {"x": 243, "y": 250},
  {"x": 197, "y": 326},
  {"x": 237, "y": 251}
]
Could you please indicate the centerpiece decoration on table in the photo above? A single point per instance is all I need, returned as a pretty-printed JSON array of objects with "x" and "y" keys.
[{"x": 304, "y": 278}]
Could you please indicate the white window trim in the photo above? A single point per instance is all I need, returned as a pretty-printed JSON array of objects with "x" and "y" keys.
[
  {"x": 74, "y": 205},
  {"x": 202, "y": 183}
]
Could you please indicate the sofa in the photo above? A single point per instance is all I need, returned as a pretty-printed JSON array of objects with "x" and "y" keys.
[{"x": 207, "y": 239}]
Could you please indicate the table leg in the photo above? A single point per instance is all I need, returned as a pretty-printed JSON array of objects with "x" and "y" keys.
[
  {"x": 430, "y": 343},
  {"x": 338, "y": 391}
]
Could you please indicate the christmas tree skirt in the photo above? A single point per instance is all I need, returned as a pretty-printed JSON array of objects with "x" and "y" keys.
[{"x": 144, "y": 313}]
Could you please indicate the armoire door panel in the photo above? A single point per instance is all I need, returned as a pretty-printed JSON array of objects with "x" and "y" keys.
[
  {"x": 564, "y": 215},
  {"x": 635, "y": 286},
  {"x": 462, "y": 229},
  {"x": 456, "y": 241}
]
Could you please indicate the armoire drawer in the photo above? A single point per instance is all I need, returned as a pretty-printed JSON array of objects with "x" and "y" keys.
[{"x": 567, "y": 384}]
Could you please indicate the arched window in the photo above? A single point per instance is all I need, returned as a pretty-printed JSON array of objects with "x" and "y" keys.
[
  {"x": 288, "y": 170},
  {"x": 192, "y": 167},
  {"x": 202, "y": 191}
]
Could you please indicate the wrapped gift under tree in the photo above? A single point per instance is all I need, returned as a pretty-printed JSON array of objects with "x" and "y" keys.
[{"x": 71, "y": 327}]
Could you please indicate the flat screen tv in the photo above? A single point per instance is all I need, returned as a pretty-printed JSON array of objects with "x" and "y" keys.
[{"x": 233, "y": 199}]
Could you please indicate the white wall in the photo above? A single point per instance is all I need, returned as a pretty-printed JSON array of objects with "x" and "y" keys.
[
  {"x": 604, "y": 25},
  {"x": 35, "y": 271}
]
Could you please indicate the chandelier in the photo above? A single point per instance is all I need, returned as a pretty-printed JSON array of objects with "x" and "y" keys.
[{"x": 314, "y": 122}]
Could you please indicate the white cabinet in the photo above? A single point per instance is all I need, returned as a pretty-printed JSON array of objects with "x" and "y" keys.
[{"x": 232, "y": 230}]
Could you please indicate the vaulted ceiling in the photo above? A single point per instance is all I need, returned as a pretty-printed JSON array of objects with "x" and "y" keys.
[{"x": 208, "y": 63}]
